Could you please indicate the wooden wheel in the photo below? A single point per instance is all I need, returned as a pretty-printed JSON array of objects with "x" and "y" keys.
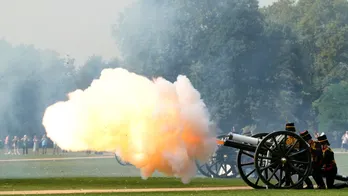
[
  {"x": 246, "y": 166},
  {"x": 121, "y": 162},
  {"x": 283, "y": 160},
  {"x": 222, "y": 163},
  {"x": 202, "y": 168}
]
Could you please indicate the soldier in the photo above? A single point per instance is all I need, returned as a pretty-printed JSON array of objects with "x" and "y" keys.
[
  {"x": 290, "y": 141},
  {"x": 317, "y": 157},
  {"x": 329, "y": 168}
]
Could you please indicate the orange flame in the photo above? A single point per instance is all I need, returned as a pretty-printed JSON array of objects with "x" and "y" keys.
[{"x": 154, "y": 125}]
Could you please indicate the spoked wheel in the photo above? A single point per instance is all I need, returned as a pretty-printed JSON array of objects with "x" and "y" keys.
[
  {"x": 223, "y": 162},
  {"x": 121, "y": 162},
  {"x": 246, "y": 166},
  {"x": 202, "y": 168},
  {"x": 283, "y": 160}
]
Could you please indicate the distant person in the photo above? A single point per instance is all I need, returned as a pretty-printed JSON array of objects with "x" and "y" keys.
[
  {"x": 15, "y": 145},
  {"x": 44, "y": 144},
  {"x": 25, "y": 143},
  {"x": 7, "y": 145},
  {"x": 56, "y": 148},
  {"x": 344, "y": 145},
  {"x": 35, "y": 145}
]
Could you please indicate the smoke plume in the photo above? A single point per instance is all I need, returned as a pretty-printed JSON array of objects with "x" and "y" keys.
[{"x": 153, "y": 124}]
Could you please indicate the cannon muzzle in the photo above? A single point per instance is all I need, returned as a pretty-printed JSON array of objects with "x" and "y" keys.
[
  {"x": 240, "y": 139},
  {"x": 240, "y": 142}
]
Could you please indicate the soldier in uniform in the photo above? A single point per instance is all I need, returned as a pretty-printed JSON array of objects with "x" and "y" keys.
[
  {"x": 317, "y": 157},
  {"x": 290, "y": 141},
  {"x": 290, "y": 127},
  {"x": 329, "y": 167}
]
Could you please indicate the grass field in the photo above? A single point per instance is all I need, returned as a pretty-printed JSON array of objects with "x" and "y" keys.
[
  {"x": 112, "y": 183},
  {"x": 107, "y": 167},
  {"x": 239, "y": 193},
  {"x": 106, "y": 173},
  {"x": 48, "y": 155},
  {"x": 228, "y": 193},
  {"x": 135, "y": 182},
  {"x": 234, "y": 193}
]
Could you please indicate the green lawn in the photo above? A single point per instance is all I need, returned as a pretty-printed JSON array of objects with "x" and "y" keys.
[
  {"x": 135, "y": 182},
  {"x": 107, "y": 167},
  {"x": 66, "y": 168},
  {"x": 236, "y": 193},
  {"x": 63, "y": 168},
  {"x": 107, "y": 173},
  {"x": 342, "y": 163},
  {"x": 244, "y": 193},
  {"x": 111, "y": 183},
  {"x": 48, "y": 155},
  {"x": 342, "y": 192}
]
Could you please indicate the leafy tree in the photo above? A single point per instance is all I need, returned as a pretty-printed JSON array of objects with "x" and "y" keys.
[
  {"x": 83, "y": 76},
  {"x": 206, "y": 40},
  {"x": 332, "y": 108},
  {"x": 32, "y": 80}
]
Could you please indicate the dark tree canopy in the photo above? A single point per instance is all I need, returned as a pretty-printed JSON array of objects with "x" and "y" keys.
[{"x": 254, "y": 67}]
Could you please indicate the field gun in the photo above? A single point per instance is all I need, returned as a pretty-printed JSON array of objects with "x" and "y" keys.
[
  {"x": 276, "y": 160},
  {"x": 280, "y": 159}
]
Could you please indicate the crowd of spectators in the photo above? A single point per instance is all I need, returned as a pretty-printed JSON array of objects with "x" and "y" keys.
[{"x": 18, "y": 146}]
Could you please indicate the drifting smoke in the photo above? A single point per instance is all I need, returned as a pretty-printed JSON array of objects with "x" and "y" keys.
[{"x": 154, "y": 125}]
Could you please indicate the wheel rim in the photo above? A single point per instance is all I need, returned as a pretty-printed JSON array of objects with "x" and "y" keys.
[
  {"x": 120, "y": 161},
  {"x": 202, "y": 169},
  {"x": 222, "y": 163},
  {"x": 246, "y": 166},
  {"x": 282, "y": 165}
]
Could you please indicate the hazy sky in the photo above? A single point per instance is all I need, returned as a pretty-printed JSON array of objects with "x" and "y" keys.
[{"x": 80, "y": 28}]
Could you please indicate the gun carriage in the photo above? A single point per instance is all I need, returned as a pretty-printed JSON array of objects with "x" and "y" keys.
[
  {"x": 264, "y": 160},
  {"x": 279, "y": 159}
]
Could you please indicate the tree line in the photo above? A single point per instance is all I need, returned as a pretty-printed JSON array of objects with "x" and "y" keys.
[{"x": 253, "y": 66}]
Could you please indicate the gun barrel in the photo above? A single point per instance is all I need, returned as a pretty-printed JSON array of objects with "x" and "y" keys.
[
  {"x": 244, "y": 139},
  {"x": 237, "y": 138},
  {"x": 248, "y": 143}
]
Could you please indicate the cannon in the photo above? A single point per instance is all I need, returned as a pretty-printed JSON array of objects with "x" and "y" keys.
[
  {"x": 276, "y": 160},
  {"x": 239, "y": 164},
  {"x": 280, "y": 159}
]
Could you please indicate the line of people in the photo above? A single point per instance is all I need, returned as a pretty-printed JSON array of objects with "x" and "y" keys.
[
  {"x": 13, "y": 146},
  {"x": 323, "y": 161}
]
